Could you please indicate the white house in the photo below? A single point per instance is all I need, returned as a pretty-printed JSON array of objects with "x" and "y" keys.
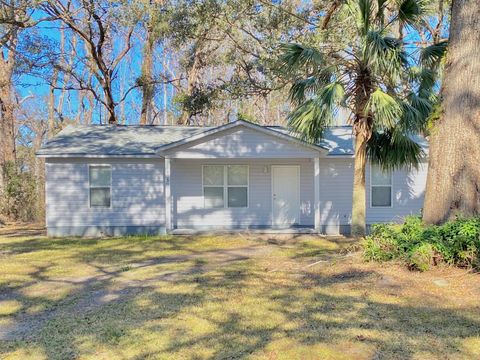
[{"x": 120, "y": 180}]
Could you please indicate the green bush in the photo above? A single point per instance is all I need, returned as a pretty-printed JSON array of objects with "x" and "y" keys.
[
  {"x": 421, "y": 257},
  {"x": 456, "y": 242},
  {"x": 383, "y": 244},
  {"x": 19, "y": 198}
]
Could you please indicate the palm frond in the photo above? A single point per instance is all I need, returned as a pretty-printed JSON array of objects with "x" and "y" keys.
[
  {"x": 421, "y": 104},
  {"x": 310, "y": 119},
  {"x": 424, "y": 80},
  {"x": 385, "y": 109},
  {"x": 302, "y": 89},
  {"x": 411, "y": 12},
  {"x": 394, "y": 149},
  {"x": 365, "y": 7},
  {"x": 362, "y": 11},
  {"x": 297, "y": 57},
  {"x": 386, "y": 55},
  {"x": 431, "y": 56},
  {"x": 412, "y": 119},
  {"x": 427, "y": 82}
]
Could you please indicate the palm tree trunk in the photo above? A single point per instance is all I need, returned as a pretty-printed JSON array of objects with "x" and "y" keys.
[
  {"x": 359, "y": 203},
  {"x": 453, "y": 181}
]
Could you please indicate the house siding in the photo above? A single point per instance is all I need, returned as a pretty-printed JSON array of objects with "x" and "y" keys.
[
  {"x": 336, "y": 186},
  {"x": 138, "y": 201},
  {"x": 137, "y": 198},
  {"x": 187, "y": 193},
  {"x": 336, "y": 182},
  {"x": 408, "y": 190},
  {"x": 242, "y": 142}
]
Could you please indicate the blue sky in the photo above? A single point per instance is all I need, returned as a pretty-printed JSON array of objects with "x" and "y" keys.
[{"x": 32, "y": 86}]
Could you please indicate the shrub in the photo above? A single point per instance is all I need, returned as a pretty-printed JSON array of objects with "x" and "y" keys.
[
  {"x": 382, "y": 244},
  {"x": 19, "y": 197},
  {"x": 456, "y": 242},
  {"x": 421, "y": 257}
]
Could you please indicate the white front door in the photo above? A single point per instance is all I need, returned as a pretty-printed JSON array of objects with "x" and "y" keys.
[{"x": 285, "y": 195}]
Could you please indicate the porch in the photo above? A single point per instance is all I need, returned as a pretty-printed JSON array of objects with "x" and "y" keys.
[
  {"x": 279, "y": 195},
  {"x": 242, "y": 176}
]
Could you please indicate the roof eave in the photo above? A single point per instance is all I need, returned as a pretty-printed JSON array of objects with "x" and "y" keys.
[{"x": 84, "y": 155}]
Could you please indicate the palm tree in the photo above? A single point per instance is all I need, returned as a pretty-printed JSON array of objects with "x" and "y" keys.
[{"x": 375, "y": 78}]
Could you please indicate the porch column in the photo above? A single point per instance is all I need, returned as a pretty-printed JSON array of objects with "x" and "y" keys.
[
  {"x": 316, "y": 192},
  {"x": 168, "y": 197}
]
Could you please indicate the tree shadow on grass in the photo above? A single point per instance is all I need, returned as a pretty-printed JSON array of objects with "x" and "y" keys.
[
  {"x": 227, "y": 309},
  {"x": 95, "y": 301},
  {"x": 320, "y": 316}
]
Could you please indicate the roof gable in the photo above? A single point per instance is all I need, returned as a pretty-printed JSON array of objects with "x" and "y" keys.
[{"x": 245, "y": 138}]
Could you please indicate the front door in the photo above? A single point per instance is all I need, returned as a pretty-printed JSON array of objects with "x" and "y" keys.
[{"x": 285, "y": 195}]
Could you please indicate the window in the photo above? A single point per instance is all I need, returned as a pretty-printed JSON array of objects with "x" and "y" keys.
[
  {"x": 237, "y": 181},
  {"x": 225, "y": 186},
  {"x": 381, "y": 187},
  {"x": 100, "y": 183}
]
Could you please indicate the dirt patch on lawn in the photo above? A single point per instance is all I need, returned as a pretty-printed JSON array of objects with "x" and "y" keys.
[{"x": 12, "y": 230}]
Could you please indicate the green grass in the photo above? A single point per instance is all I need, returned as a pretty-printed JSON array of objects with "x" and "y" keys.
[{"x": 230, "y": 296}]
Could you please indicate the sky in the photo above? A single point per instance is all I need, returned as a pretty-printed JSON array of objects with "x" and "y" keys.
[{"x": 36, "y": 89}]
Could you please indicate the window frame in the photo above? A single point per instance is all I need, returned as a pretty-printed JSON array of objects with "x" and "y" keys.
[
  {"x": 225, "y": 186},
  {"x": 382, "y": 186},
  {"x": 100, "y": 187}
]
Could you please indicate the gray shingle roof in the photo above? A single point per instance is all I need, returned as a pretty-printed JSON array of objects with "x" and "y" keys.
[
  {"x": 145, "y": 140},
  {"x": 115, "y": 140},
  {"x": 338, "y": 140}
]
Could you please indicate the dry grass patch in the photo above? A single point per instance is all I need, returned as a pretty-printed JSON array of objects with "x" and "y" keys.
[{"x": 229, "y": 296}]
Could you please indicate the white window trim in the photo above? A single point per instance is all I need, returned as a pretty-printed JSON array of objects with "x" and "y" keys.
[
  {"x": 372, "y": 186},
  {"x": 100, "y": 187},
  {"x": 226, "y": 186}
]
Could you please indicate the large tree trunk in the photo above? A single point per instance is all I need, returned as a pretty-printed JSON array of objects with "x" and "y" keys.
[
  {"x": 51, "y": 104},
  {"x": 109, "y": 102},
  {"x": 453, "y": 182},
  {"x": 53, "y": 86},
  {"x": 39, "y": 171},
  {"x": 7, "y": 123},
  {"x": 7, "y": 129},
  {"x": 165, "y": 90},
  {"x": 147, "y": 78},
  {"x": 359, "y": 203},
  {"x": 192, "y": 80},
  {"x": 91, "y": 106},
  {"x": 7, "y": 108}
]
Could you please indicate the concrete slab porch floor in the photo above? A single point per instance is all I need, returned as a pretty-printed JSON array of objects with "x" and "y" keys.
[{"x": 292, "y": 230}]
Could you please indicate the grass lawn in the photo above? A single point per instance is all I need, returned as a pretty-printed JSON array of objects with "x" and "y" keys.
[{"x": 226, "y": 297}]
